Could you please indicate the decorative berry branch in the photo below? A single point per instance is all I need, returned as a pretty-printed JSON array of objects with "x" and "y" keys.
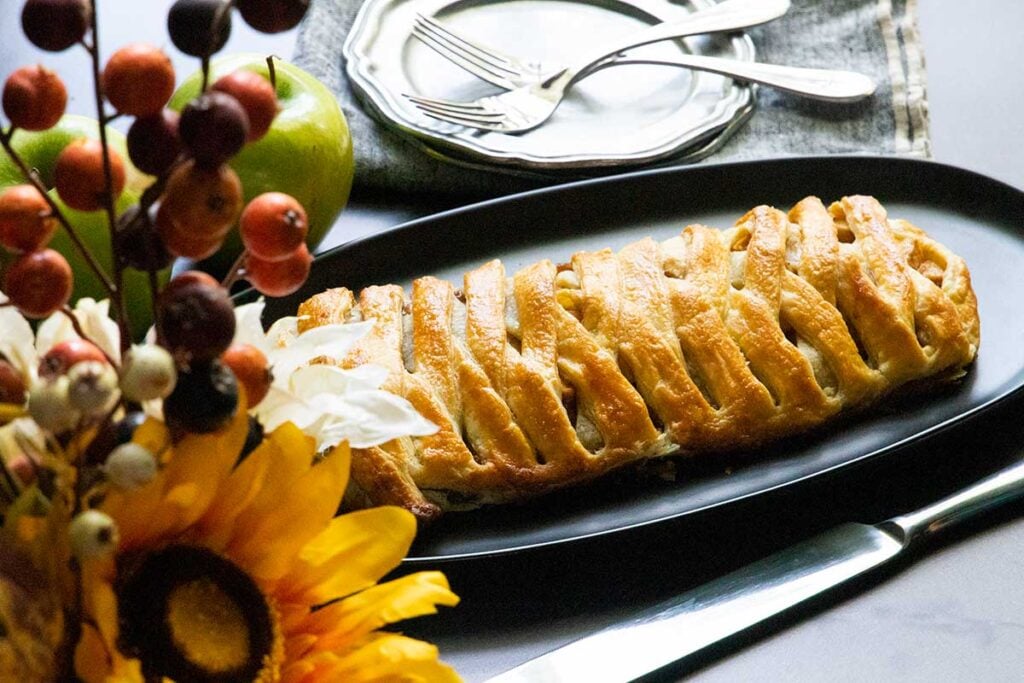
[{"x": 117, "y": 295}]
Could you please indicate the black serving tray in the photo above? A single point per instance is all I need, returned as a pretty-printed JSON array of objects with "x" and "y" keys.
[{"x": 978, "y": 217}]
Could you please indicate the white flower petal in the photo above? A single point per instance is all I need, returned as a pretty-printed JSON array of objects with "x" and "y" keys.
[
  {"x": 94, "y": 319},
  {"x": 249, "y": 326},
  {"x": 369, "y": 418},
  {"x": 17, "y": 343}
]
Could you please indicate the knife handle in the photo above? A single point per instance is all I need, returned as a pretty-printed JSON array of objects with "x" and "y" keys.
[{"x": 986, "y": 494}]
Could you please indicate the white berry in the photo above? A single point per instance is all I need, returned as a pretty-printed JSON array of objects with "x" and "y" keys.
[
  {"x": 130, "y": 466},
  {"x": 92, "y": 386},
  {"x": 49, "y": 406},
  {"x": 93, "y": 535},
  {"x": 148, "y": 373}
]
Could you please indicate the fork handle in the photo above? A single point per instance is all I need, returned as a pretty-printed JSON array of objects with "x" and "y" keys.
[
  {"x": 822, "y": 84},
  {"x": 730, "y": 15}
]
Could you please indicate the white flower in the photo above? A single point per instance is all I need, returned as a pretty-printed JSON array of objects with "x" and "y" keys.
[
  {"x": 327, "y": 402},
  {"x": 24, "y": 349}
]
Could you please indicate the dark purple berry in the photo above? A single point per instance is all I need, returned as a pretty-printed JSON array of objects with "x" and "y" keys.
[
  {"x": 272, "y": 16},
  {"x": 153, "y": 142},
  {"x": 112, "y": 435},
  {"x": 203, "y": 400},
  {"x": 213, "y": 128},
  {"x": 55, "y": 25},
  {"x": 139, "y": 244},
  {"x": 197, "y": 321},
  {"x": 199, "y": 27}
]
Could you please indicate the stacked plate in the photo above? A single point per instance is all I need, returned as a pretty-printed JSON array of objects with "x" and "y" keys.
[{"x": 629, "y": 115}]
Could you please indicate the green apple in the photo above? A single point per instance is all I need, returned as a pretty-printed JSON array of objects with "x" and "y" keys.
[
  {"x": 39, "y": 150},
  {"x": 307, "y": 153}
]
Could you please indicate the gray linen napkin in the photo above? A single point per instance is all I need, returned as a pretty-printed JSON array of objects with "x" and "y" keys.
[{"x": 876, "y": 37}]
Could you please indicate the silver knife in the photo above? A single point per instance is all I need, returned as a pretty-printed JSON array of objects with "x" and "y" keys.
[{"x": 681, "y": 626}]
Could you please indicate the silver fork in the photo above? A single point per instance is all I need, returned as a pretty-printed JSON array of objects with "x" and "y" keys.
[
  {"x": 527, "y": 106},
  {"x": 509, "y": 72}
]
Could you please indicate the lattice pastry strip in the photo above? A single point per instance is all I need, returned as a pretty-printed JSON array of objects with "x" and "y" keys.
[{"x": 710, "y": 340}]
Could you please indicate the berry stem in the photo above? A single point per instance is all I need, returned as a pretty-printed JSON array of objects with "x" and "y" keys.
[
  {"x": 223, "y": 12},
  {"x": 77, "y": 327},
  {"x": 32, "y": 178},
  {"x": 117, "y": 296},
  {"x": 154, "y": 294},
  {"x": 235, "y": 272}
]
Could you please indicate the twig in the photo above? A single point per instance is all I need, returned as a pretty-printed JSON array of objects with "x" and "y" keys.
[
  {"x": 108, "y": 178},
  {"x": 222, "y": 15}
]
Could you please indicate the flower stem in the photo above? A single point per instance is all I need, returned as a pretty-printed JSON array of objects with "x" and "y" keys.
[
  {"x": 33, "y": 179},
  {"x": 117, "y": 296}
]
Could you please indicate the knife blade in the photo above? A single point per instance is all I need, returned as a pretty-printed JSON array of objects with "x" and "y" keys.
[{"x": 685, "y": 624}]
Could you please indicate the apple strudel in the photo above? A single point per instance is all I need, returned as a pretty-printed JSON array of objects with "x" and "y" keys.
[{"x": 708, "y": 341}]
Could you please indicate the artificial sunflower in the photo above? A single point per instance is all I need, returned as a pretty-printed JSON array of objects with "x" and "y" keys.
[{"x": 226, "y": 571}]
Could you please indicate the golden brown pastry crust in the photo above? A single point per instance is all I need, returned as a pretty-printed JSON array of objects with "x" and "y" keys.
[{"x": 708, "y": 341}]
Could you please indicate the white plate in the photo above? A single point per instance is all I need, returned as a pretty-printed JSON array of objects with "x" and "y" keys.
[{"x": 623, "y": 116}]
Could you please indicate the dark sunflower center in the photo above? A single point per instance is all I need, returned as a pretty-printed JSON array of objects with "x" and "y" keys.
[{"x": 191, "y": 615}]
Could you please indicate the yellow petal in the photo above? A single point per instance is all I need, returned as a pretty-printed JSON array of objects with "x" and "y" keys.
[
  {"x": 91, "y": 661},
  {"x": 238, "y": 491},
  {"x": 350, "y": 620},
  {"x": 194, "y": 473},
  {"x": 275, "y": 537},
  {"x": 391, "y": 658},
  {"x": 353, "y": 552}
]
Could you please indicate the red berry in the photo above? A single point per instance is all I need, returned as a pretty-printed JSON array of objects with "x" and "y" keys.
[
  {"x": 34, "y": 98},
  {"x": 213, "y": 128},
  {"x": 201, "y": 203},
  {"x": 251, "y": 369},
  {"x": 55, "y": 25},
  {"x": 153, "y": 142},
  {"x": 272, "y": 16},
  {"x": 79, "y": 177},
  {"x": 138, "y": 80},
  {"x": 26, "y": 223},
  {"x": 12, "y": 384},
  {"x": 38, "y": 283},
  {"x": 199, "y": 27},
  {"x": 197, "y": 320},
  {"x": 257, "y": 97},
  {"x": 68, "y": 353},
  {"x": 279, "y": 278},
  {"x": 273, "y": 226}
]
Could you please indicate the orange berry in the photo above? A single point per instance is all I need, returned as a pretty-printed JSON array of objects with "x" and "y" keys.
[
  {"x": 34, "y": 98},
  {"x": 273, "y": 226},
  {"x": 79, "y": 178},
  {"x": 182, "y": 242},
  {"x": 138, "y": 80},
  {"x": 26, "y": 223},
  {"x": 38, "y": 283},
  {"x": 202, "y": 203},
  {"x": 279, "y": 278},
  {"x": 251, "y": 370}
]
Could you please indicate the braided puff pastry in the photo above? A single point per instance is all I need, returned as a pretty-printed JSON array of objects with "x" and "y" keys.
[{"x": 710, "y": 340}]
